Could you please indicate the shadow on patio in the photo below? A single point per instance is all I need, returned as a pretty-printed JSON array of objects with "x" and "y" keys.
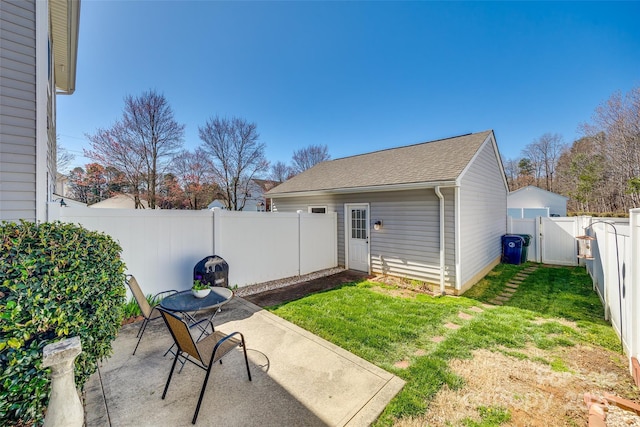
[{"x": 298, "y": 379}]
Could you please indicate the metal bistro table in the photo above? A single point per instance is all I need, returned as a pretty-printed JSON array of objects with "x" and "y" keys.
[{"x": 186, "y": 303}]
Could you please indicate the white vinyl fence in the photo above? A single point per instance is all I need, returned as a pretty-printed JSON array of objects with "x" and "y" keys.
[
  {"x": 553, "y": 238},
  {"x": 633, "y": 284},
  {"x": 161, "y": 247},
  {"x": 612, "y": 271}
]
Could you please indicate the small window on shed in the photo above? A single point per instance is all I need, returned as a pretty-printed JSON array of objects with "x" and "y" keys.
[{"x": 317, "y": 209}]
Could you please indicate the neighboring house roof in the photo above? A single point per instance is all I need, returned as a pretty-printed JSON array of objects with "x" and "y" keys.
[
  {"x": 65, "y": 23},
  {"x": 257, "y": 188},
  {"x": 265, "y": 184},
  {"x": 434, "y": 162},
  {"x": 120, "y": 201},
  {"x": 539, "y": 190},
  {"x": 217, "y": 203}
]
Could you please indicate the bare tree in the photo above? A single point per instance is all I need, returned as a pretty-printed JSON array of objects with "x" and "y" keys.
[
  {"x": 511, "y": 172},
  {"x": 142, "y": 143},
  {"x": 112, "y": 147},
  {"x": 281, "y": 172},
  {"x": 544, "y": 153},
  {"x": 63, "y": 158},
  {"x": 619, "y": 120},
  {"x": 306, "y": 158},
  {"x": 236, "y": 155},
  {"x": 193, "y": 172}
]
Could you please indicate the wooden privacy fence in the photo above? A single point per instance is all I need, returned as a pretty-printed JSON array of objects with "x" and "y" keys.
[{"x": 161, "y": 247}]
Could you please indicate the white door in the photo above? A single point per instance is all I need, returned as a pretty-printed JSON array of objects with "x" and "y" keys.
[
  {"x": 357, "y": 238},
  {"x": 558, "y": 240}
]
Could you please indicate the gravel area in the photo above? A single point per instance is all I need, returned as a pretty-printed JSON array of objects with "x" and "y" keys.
[{"x": 282, "y": 283}]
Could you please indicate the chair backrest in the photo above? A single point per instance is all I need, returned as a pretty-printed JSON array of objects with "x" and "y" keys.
[
  {"x": 181, "y": 335},
  {"x": 145, "y": 308}
]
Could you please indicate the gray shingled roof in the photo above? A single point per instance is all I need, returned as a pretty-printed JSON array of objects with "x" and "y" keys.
[{"x": 435, "y": 161}]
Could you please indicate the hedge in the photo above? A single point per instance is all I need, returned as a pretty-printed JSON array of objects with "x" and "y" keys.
[{"x": 57, "y": 280}]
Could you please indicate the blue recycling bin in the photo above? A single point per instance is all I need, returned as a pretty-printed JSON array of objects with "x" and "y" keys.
[{"x": 512, "y": 249}]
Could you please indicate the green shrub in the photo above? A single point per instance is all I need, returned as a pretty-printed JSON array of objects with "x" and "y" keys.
[
  {"x": 56, "y": 280},
  {"x": 132, "y": 309}
]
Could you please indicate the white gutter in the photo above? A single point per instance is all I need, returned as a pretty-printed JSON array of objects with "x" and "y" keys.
[
  {"x": 367, "y": 189},
  {"x": 441, "y": 197}
]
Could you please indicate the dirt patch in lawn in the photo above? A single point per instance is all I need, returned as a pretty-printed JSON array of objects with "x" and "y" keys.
[
  {"x": 531, "y": 391},
  {"x": 402, "y": 287},
  {"x": 302, "y": 289}
]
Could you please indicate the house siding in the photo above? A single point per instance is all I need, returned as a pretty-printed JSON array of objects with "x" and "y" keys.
[
  {"x": 17, "y": 110},
  {"x": 533, "y": 197},
  {"x": 483, "y": 207},
  {"x": 408, "y": 243}
]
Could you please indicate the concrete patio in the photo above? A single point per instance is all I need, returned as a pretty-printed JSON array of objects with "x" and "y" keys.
[{"x": 299, "y": 379}]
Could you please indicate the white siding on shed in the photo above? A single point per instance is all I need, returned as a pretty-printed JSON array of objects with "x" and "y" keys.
[
  {"x": 532, "y": 197},
  {"x": 17, "y": 110},
  {"x": 483, "y": 207},
  {"x": 407, "y": 245}
]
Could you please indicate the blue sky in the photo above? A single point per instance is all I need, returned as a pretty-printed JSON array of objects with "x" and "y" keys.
[{"x": 356, "y": 76}]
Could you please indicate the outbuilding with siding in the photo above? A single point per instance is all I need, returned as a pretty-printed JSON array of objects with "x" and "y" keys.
[
  {"x": 532, "y": 202},
  {"x": 433, "y": 212}
]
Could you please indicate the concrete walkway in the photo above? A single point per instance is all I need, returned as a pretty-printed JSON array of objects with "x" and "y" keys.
[{"x": 299, "y": 379}]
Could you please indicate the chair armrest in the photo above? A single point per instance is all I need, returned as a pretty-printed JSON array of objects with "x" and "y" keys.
[
  {"x": 170, "y": 291},
  {"x": 221, "y": 341}
]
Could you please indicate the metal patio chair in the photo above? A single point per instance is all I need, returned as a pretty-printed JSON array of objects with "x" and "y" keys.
[
  {"x": 203, "y": 353},
  {"x": 146, "y": 308}
]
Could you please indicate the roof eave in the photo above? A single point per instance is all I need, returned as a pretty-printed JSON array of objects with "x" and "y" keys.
[
  {"x": 64, "y": 19},
  {"x": 368, "y": 189}
]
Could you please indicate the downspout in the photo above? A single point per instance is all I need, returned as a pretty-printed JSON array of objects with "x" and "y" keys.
[{"x": 441, "y": 197}]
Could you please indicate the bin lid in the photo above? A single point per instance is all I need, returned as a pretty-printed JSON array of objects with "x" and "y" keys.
[
  {"x": 527, "y": 238},
  {"x": 512, "y": 237}
]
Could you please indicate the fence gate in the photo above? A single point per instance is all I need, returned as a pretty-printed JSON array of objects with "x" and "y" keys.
[
  {"x": 553, "y": 239},
  {"x": 558, "y": 240}
]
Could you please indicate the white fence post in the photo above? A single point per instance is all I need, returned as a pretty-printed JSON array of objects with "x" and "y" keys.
[{"x": 633, "y": 283}]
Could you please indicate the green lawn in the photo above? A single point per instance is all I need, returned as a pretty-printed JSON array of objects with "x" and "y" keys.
[{"x": 374, "y": 322}]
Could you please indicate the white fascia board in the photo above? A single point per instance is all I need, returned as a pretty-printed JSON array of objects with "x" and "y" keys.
[
  {"x": 370, "y": 189},
  {"x": 65, "y": 23}
]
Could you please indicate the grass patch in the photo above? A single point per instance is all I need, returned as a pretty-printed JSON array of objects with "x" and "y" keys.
[
  {"x": 132, "y": 309},
  {"x": 489, "y": 417},
  {"x": 384, "y": 329}
]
